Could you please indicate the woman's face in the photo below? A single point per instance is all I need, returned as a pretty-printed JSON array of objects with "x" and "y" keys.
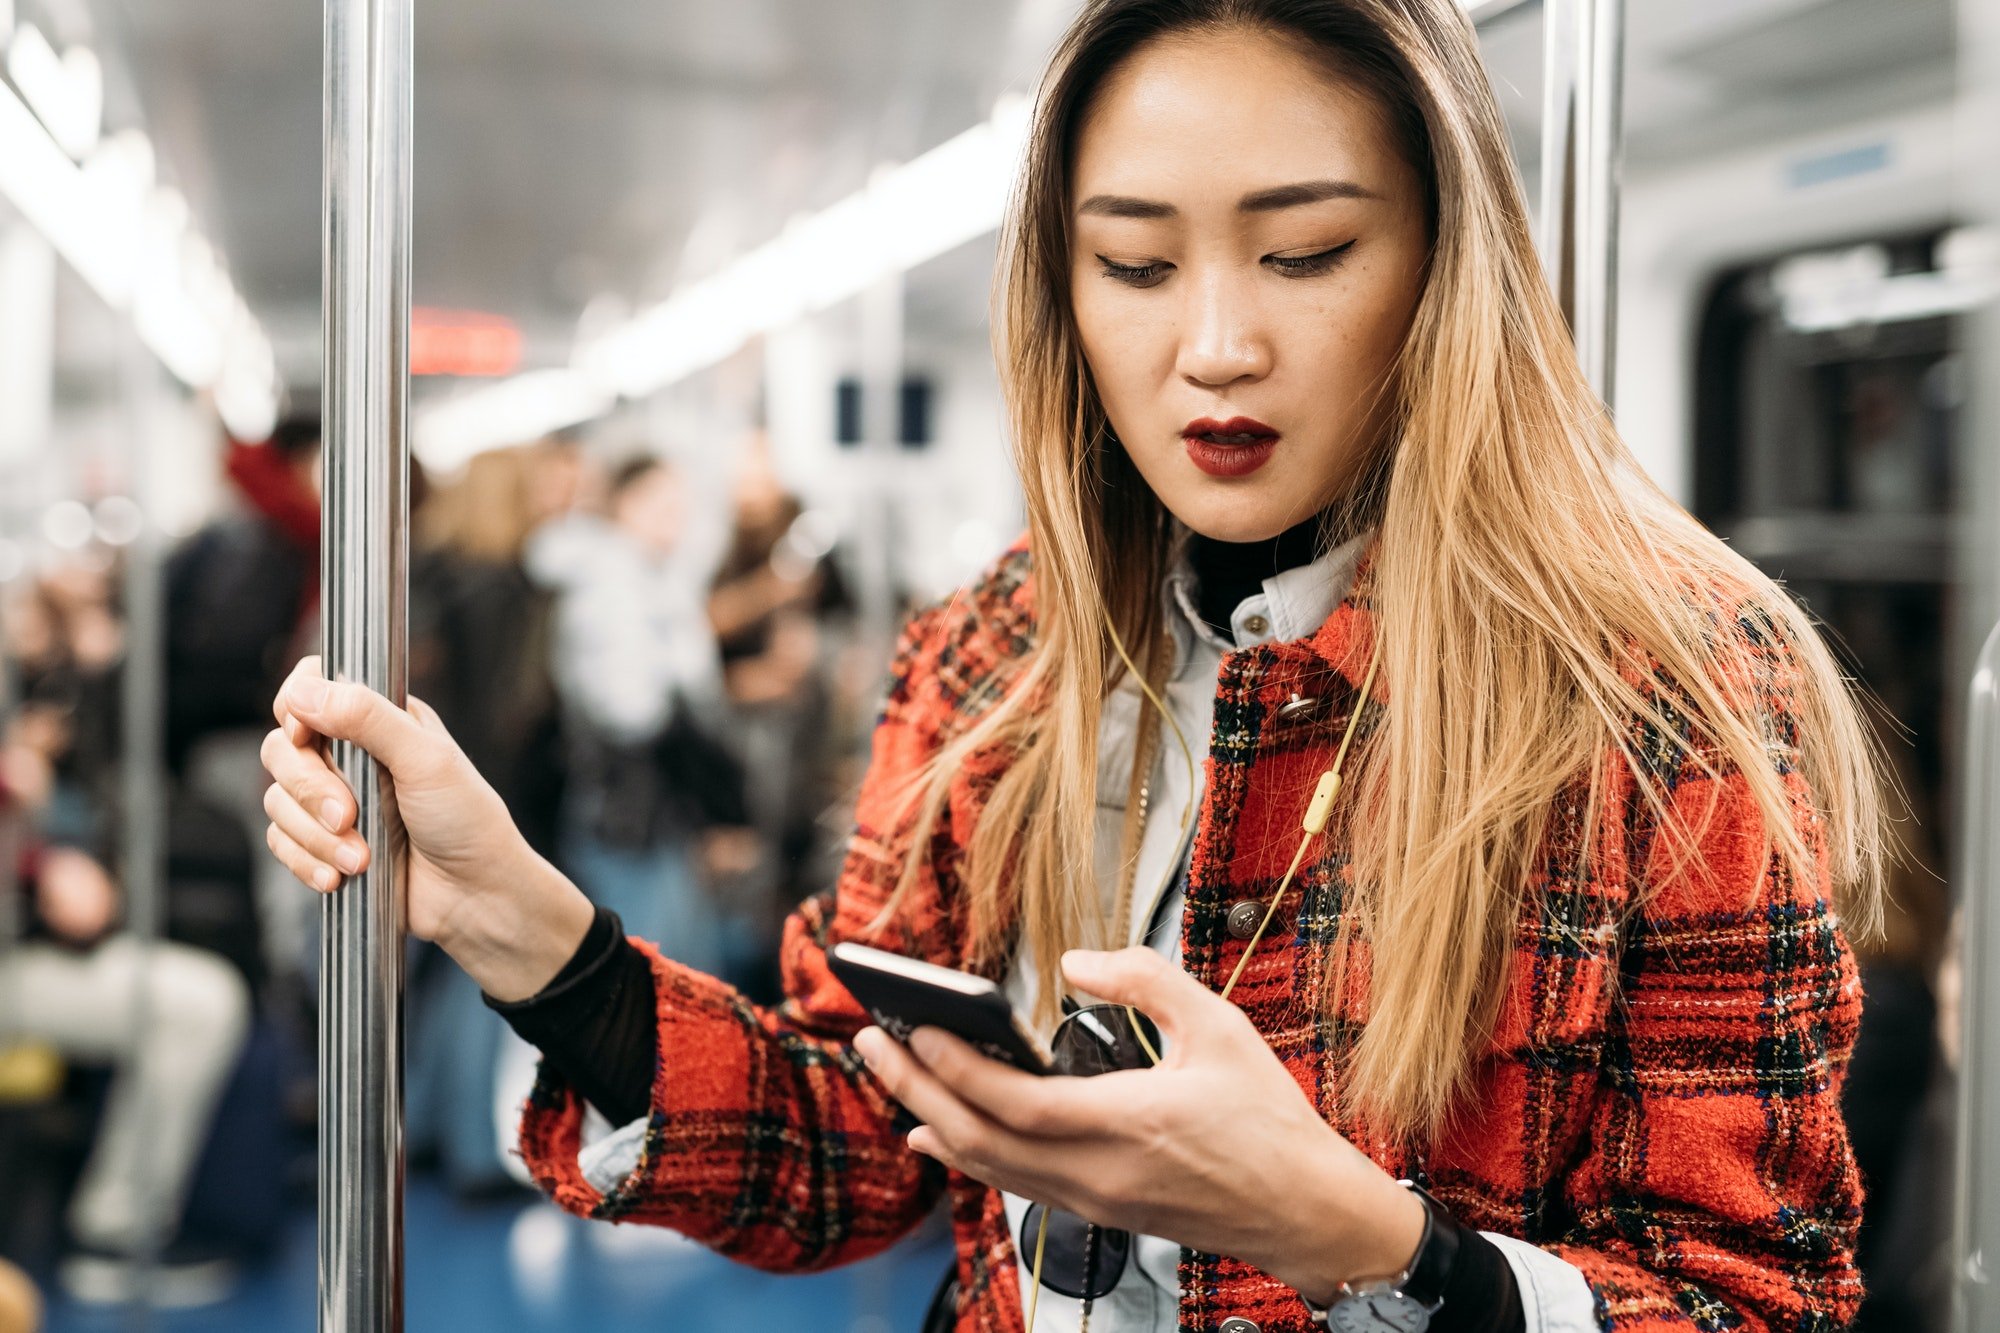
[{"x": 1247, "y": 249}]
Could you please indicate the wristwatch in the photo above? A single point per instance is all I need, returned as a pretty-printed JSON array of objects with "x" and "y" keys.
[{"x": 1407, "y": 1302}]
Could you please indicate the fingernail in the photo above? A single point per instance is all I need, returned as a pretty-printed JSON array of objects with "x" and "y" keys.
[
  {"x": 330, "y": 813},
  {"x": 864, "y": 1045},
  {"x": 309, "y": 695},
  {"x": 348, "y": 858},
  {"x": 924, "y": 1041},
  {"x": 325, "y": 878}
]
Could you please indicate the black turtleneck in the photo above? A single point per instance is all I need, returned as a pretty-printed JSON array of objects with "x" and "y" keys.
[{"x": 1226, "y": 573}]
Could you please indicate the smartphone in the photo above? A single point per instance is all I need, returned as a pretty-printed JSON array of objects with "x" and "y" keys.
[{"x": 903, "y": 994}]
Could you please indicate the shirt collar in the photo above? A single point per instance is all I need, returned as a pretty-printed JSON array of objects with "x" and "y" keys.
[{"x": 1293, "y": 603}]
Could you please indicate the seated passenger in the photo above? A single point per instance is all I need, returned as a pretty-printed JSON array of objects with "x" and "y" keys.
[{"x": 170, "y": 1021}]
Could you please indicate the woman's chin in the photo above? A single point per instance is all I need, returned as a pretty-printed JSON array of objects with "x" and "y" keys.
[{"x": 1240, "y": 513}]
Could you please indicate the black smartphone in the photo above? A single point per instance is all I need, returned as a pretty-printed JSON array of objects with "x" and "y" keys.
[{"x": 903, "y": 994}]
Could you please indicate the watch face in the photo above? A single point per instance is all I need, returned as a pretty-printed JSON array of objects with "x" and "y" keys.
[{"x": 1384, "y": 1311}]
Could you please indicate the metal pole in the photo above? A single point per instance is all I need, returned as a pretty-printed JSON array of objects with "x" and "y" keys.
[
  {"x": 366, "y": 309},
  {"x": 1976, "y": 1248},
  {"x": 1483, "y": 12},
  {"x": 142, "y": 758},
  {"x": 1582, "y": 155},
  {"x": 1978, "y": 1222}
]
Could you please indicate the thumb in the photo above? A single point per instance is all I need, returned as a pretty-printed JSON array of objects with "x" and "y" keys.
[
  {"x": 348, "y": 711},
  {"x": 1148, "y": 982}
]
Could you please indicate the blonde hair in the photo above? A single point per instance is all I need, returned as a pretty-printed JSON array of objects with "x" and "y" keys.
[
  {"x": 488, "y": 512},
  {"x": 1532, "y": 588}
]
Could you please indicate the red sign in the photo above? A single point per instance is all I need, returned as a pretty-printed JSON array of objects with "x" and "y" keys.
[{"x": 462, "y": 342}]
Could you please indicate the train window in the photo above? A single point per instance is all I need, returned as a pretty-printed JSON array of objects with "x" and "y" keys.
[{"x": 1827, "y": 444}]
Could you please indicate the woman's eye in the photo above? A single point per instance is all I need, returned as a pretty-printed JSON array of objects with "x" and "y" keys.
[
  {"x": 1135, "y": 275},
  {"x": 1308, "y": 265}
]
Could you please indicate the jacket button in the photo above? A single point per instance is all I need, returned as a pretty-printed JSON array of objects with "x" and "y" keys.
[
  {"x": 1302, "y": 707},
  {"x": 1258, "y": 627},
  {"x": 1244, "y": 916},
  {"x": 1235, "y": 1325}
]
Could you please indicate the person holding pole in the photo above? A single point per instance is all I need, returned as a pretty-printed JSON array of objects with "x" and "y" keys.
[{"x": 1478, "y": 834}]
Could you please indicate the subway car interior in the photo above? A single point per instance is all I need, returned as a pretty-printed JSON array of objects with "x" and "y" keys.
[{"x": 700, "y": 311}]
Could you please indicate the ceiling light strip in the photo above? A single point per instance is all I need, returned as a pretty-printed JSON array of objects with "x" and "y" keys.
[{"x": 185, "y": 312}]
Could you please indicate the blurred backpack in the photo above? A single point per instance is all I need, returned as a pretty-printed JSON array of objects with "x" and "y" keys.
[{"x": 234, "y": 593}]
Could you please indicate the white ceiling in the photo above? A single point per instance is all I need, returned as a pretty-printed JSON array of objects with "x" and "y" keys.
[{"x": 606, "y": 148}]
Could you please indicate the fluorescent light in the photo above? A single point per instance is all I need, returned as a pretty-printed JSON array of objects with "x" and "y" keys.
[
  {"x": 50, "y": 192},
  {"x": 514, "y": 411},
  {"x": 66, "y": 91},
  {"x": 906, "y": 215},
  {"x": 131, "y": 243}
]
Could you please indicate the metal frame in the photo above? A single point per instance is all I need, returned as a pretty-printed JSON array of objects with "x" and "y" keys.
[
  {"x": 364, "y": 569},
  {"x": 1583, "y": 99},
  {"x": 1978, "y": 1212}
]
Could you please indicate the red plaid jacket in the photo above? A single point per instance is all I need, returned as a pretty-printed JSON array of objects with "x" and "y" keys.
[{"x": 1659, "y": 1105}]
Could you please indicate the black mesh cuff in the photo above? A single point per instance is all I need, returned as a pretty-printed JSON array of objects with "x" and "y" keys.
[
  {"x": 595, "y": 1021},
  {"x": 1479, "y": 1292}
]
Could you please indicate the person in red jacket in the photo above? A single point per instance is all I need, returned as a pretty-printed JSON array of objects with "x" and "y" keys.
[{"x": 1475, "y": 827}]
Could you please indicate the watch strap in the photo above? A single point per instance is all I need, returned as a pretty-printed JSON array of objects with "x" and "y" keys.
[
  {"x": 1430, "y": 1269},
  {"x": 1424, "y": 1280}
]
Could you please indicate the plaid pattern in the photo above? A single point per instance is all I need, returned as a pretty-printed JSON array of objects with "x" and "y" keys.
[{"x": 1658, "y": 1105}]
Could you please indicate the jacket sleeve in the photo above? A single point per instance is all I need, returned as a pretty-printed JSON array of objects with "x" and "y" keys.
[
  {"x": 1720, "y": 1191},
  {"x": 768, "y": 1140}
]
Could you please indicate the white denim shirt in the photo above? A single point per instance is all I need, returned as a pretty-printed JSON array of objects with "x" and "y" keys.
[{"x": 1292, "y": 605}]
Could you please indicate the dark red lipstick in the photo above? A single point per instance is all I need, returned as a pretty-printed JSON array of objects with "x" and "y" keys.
[{"x": 1233, "y": 448}]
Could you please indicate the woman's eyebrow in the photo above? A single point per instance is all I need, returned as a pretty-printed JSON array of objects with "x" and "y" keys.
[
  {"x": 1305, "y": 192},
  {"x": 1257, "y": 201}
]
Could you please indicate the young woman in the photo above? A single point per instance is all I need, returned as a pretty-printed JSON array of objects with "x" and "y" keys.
[{"x": 1314, "y": 485}]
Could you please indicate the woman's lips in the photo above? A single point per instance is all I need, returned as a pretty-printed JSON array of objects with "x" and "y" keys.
[{"x": 1233, "y": 448}]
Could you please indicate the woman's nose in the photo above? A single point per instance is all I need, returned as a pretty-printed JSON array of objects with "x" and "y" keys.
[{"x": 1224, "y": 341}]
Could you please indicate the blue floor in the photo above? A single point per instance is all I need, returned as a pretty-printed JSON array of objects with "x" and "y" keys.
[{"x": 527, "y": 1267}]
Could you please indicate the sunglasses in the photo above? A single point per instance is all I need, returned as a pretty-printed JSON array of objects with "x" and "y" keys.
[{"x": 1075, "y": 1258}]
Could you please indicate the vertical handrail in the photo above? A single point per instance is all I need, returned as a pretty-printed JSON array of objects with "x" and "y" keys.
[
  {"x": 142, "y": 805},
  {"x": 1977, "y": 1225},
  {"x": 1583, "y": 43},
  {"x": 366, "y": 313}
]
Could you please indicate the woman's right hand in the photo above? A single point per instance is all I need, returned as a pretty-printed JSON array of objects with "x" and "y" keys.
[{"x": 472, "y": 883}]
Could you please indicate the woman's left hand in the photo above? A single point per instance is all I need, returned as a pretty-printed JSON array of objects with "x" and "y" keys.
[{"x": 1216, "y": 1147}]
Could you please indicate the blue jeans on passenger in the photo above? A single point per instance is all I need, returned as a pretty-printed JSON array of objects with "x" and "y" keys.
[
  {"x": 454, "y": 1050},
  {"x": 655, "y": 891}
]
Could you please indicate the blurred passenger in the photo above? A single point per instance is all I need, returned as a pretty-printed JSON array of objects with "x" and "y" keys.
[
  {"x": 242, "y": 598},
  {"x": 479, "y": 654},
  {"x": 171, "y": 1022},
  {"x": 480, "y": 627},
  {"x": 65, "y": 641},
  {"x": 241, "y": 593},
  {"x": 774, "y": 595},
  {"x": 637, "y": 670}
]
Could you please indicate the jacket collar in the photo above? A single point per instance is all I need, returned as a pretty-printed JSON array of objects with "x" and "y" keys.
[{"x": 1292, "y": 603}]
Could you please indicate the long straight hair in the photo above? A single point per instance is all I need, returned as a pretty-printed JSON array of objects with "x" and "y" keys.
[{"x": 1530, "y": 584}]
